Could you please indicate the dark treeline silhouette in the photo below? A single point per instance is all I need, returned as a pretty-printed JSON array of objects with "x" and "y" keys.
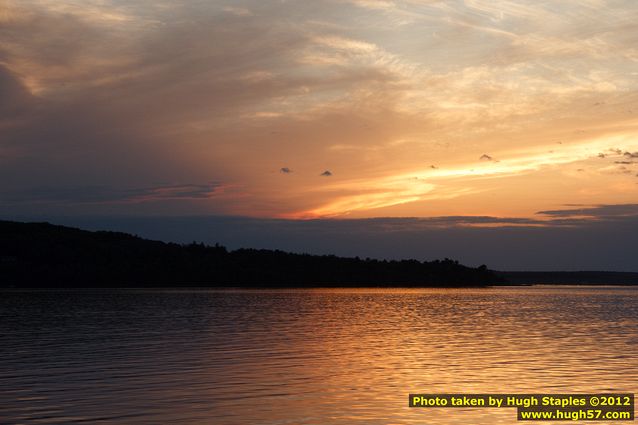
[{"x": 46, "y": 255}]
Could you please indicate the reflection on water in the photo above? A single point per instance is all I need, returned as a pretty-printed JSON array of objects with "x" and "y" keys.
[{"x": 306, "y": 356}]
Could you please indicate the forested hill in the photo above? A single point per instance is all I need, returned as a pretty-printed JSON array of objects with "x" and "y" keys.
[{"x": 46, "y": 255}]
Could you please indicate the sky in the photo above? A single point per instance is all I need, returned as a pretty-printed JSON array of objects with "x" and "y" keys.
[{"x": 454, "y": 116}]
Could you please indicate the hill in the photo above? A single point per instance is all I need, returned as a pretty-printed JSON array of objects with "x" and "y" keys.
[{"x": 51, "y": 256}]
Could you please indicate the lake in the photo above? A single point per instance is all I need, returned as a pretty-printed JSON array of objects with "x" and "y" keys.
[{"x": 275, "y": 357}]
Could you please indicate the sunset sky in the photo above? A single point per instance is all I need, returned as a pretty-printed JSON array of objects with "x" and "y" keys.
[{"x": 524, "y": 112}]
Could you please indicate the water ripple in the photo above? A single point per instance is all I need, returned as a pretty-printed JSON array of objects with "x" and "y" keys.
[{"x": 304, "y": 356}]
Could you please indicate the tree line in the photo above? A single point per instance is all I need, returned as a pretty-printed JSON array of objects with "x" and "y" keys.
[{"x": 46, "y": 255}]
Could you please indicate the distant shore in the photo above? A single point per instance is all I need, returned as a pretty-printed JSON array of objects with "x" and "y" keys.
[{"x": 569, "y": 278}]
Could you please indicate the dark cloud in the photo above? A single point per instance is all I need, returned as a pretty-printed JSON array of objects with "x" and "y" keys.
[
  {"x": 596, "y": 211},
  {"x": 15, "y": 99},
  {"x": 285, "y": 170},
  {"x": 624, "y": 162},
  {"x": 486, "y": 157},
  {"x": 631, "y": 154},
  {"x": 326, "y": 173},
  {"x": 53, "y": 39},
  {"x": 104, "y": 194},
  {"x": 624, "y": 170}
]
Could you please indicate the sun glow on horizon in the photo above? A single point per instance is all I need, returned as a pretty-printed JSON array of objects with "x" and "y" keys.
[{"x": 434, "y": 183}]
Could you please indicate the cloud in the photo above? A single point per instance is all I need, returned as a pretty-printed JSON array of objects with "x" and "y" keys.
[
  {"x": 597, "y": 212},
  {"x": 631, "y": 154},
  {"x": 89, "y": 97},
  {"x": 16, "y": 100},
  {"x": 326, "y": 173},
  {"x": 285, "y": 170},
  {"x": 238, "y": 11},
  {"x": 113, "y": 195}
]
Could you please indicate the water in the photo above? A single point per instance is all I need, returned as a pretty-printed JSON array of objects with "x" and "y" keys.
[{"x": 305, "y": 356}]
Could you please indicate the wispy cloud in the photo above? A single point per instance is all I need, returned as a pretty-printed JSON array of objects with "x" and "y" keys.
[
  {"x": 114, "y": 195},
  {"x": 449, "y": 182},
  {"x": 597, "y": 212}
]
